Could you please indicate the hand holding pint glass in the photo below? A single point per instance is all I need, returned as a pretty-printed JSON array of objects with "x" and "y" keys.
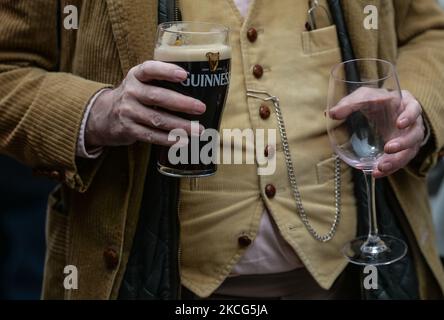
[
  {"x": 189, "y": 82},
  {"x": 202, "y": 49}
]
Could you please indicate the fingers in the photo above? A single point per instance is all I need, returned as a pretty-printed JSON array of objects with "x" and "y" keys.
[
  {"x": 150, "y": 135},
  {"x": 401, "y": 150},
  {"x": 345, "y": 108},
  {"x": 359, "y": 99},
  {"x": 390, "y": 163},
  {"x": 133, "y": 122},
  {"x": 168, "y": 99},
  {"x": 411, "y": 139},
  {"x": 159, "y": 119},
  {"x": 156, "y": 70},
  {"x": 126, "y": 114},
  {"x": 411, "y": 112},
  {"x": 151, "y": 95}
]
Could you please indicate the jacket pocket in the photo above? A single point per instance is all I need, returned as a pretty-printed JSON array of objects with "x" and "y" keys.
[{"x": 320, "y": 40}]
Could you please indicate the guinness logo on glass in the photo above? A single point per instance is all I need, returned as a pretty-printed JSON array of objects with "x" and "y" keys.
[{"x": 213, "y": 60}]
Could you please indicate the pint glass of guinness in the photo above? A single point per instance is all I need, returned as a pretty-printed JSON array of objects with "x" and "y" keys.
[{"x": 203, "y": 50}]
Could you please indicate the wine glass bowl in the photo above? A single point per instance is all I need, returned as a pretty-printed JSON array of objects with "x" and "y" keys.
[{"x": 361, "y": 118}]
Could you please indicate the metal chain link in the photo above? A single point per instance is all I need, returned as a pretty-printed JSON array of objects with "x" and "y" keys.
[{"x": 292, "y": 177}]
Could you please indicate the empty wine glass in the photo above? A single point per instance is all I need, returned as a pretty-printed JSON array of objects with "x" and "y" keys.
[{"x": 361, "y": 119}]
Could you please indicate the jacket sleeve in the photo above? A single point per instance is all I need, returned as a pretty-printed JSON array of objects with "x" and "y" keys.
[
  {"x": 420, "y": 64},
  {"x": 41, "y": 109}
]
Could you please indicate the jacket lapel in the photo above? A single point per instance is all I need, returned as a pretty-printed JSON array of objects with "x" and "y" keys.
[{"x": 134, "y": 24}]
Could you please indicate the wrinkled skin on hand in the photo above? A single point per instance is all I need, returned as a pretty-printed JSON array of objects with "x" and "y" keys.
[
  {"x": 401, "y": 145},
  {"x": 137, "y": 110}
]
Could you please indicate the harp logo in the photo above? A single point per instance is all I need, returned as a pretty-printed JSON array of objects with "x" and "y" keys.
[{"x": 213, "y": 60}]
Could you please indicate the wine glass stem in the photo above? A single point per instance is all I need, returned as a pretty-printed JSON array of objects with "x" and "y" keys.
[{"x": 372, "y": 220}]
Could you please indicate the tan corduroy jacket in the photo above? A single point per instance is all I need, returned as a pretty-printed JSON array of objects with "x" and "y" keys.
[{"x": 48, "y": 74}]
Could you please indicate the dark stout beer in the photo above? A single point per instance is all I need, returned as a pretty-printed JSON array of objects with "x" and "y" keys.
[{"x": 208, "y": 68}]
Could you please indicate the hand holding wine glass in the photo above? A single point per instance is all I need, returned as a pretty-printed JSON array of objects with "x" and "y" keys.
[
  {"x": 376, "y": 128},
  {"x": 400, "y": 150}
]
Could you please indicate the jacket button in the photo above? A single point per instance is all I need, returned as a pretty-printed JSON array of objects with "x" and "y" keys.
[
  {"x": 252, "y": 34},
  {"x": 244, "y": 241},
  {"x": 111, "y": 258},
  {"x": 258, "y": 71},
  {"x": 270, "y": 191},
  {"x": 264, "y": 112}
]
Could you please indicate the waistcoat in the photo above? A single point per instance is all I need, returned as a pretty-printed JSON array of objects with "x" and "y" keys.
[{"x": 221, "y": 214}]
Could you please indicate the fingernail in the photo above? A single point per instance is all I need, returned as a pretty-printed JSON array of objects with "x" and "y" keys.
[
  {"x": 199, "y": 107},
  {"x": 180, "y": 74},
  {"x": 403, "y": 122},
  {"x": 386, "y": 166},
  {"x": 394, "y": 146},
  {"x": 201, "y": 128}
]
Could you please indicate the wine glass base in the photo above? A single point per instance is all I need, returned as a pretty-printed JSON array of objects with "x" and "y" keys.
[{"x": 383, "y": 251}]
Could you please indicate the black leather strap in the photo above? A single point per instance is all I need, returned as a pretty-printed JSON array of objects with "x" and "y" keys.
[{"x": 335, "y": 7}]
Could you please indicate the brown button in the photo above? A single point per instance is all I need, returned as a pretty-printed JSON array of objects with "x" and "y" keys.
[
  {"x": 264, "y": 111},
  {"x": 111, "y": 258},
  {"x": 244, "y": 241},
  {"x": 55, "y": 175},
  {"x": 270, "y": 191},
  {"x": 258, "y": 71},
  {"x": 252, "y": 34}
]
